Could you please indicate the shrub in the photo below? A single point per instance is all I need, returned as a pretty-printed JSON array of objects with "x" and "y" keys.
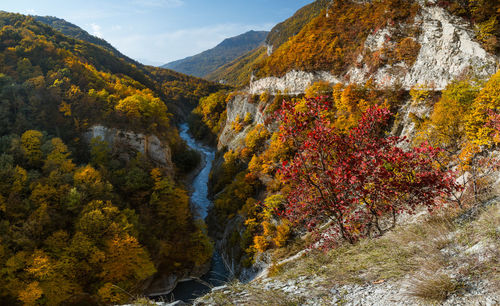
[
  {"x": 354, "y": 179},
  {"x": 408, "y": 50}
]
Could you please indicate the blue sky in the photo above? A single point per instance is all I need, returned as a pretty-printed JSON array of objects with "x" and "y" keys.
[{"x": 160, "y": 31}]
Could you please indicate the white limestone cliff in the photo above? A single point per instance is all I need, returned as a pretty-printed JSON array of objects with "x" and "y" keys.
[
  {"x": 126, "y": 141},
  {"x": 448, "y": 51}
]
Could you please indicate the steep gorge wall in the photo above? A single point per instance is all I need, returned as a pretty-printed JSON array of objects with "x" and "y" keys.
[
  {"x": 448, "y": 51},
  {"x": 238, "y": 107}
]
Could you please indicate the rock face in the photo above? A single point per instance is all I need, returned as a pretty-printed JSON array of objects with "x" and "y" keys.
[
  {"x": 240, "y": 106},
  {"x": 295, "y": 82},
  {"x": 448, "y": 51},
  {"x": 126, "y": 143},
  {"x": 162, "y": 285}
]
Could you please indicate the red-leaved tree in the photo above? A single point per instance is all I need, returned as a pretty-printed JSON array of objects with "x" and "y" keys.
[{"x": 354, "y": 183}]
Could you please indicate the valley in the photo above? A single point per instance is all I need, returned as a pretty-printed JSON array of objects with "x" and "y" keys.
[
  {"x": 348, "y": 156},
  {"x": 218, "y": 274}
]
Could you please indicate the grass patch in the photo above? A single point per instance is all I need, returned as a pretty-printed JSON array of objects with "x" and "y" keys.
[
  {"x": 435, "y": 287},
  {"x": 246, "y": 294},
  {"x": 427, "y": 249},
  {"x": 391, "y": 256},
  {"x": 440, "y": 256}
]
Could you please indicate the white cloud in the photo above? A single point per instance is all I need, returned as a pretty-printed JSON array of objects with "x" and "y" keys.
[
  {"x": 96, "y": 30},
  {"x": 178, "y": 44}
]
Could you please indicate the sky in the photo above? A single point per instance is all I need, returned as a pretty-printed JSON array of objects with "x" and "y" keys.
[{"x": 160, "y": 31}]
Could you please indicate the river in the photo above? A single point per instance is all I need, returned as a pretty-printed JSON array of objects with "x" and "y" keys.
[{"x": 218, "y": 275}]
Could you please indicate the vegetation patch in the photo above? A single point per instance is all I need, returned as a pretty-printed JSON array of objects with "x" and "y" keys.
[{"x": 333, "y": 40}]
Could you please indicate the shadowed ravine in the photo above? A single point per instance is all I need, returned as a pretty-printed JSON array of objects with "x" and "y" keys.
[{"x": 218, "y": 274}]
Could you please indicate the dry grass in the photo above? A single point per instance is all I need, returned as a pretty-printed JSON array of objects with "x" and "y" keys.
[
  {"x": 436, "y": 287},
  {"x": 246, "y": 294},
  {"x": 440, "y": 256},
  {"x": 391, "y": 256},
  {"x": 272, "y": 297},
  {"x": 428, "y": 250}
]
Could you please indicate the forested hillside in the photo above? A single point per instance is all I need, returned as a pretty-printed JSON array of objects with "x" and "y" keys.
[
  {"x": 82, "y": 220},
  {"x": 182, "y": 92},
  {"x": 239, "y": 71},
  {"x": 293, "y": 25},
  {"x": 324, "y": 156},
  {"x": 74, "y": 31},
  {"x": 331, "y": 36}
]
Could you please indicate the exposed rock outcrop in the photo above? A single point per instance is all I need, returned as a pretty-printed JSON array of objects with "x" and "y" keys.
[
  {"x": 448, "y": 51},
  {"x": 239, "y": 106},
  {"x": 294, "y": 82},
  {"x": 125, "y": 143}
]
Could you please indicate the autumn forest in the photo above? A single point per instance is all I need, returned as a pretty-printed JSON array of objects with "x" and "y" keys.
[{"x": 96, "y": 181}]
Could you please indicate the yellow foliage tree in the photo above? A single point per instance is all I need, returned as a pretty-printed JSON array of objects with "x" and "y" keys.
[
  {"x": 318, "y": 89},
  {"x": 260, "y": 243},
  {"x": 256, "y": 138},
  {"x": 58, "y": 158},
  {"x": 282, "y": 234},
  {"x": 41, "y": 267},
  {"x": 126, "y": 260},
  {"x": 112, "y": 294},
  {"x": 446, "y": 126},
  {"x": 29, "y": 295},
  {"x": 488, "y": 100},
  {"x": 31, "y": 143}
]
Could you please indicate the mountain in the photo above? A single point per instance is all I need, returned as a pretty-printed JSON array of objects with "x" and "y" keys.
[
  {"x": 323, "y": 37},
  {"x": 238, "y": 72},
  {"x": 91, "y": 171},
  {"x": 295, "y": 214},
  {"x": 206, "y": 62},
  {"x": 391, "y": 42},
  {"x": 71, "y": 30},
  {"x": 181, "y": 91}
]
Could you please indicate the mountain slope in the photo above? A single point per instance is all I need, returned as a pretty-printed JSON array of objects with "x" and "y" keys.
[
  {"x": 206, "y": 62},
  {"x": 426, "y": 62},
  {"x": 71, "y": 30},
  {"x": 292, "y": 26},
  {"x": 89, "y": 191},
  {"x": 390, "y": 42},
  {"x": 359, "y": 40},
  {"x": 238, "y": 72},
  {"x": 181, "y": 92}
]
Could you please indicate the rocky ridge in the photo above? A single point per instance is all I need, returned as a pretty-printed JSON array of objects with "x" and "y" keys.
[{"x": 448, "y": 51}]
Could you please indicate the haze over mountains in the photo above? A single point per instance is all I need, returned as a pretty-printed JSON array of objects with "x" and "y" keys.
[{"x": 202, "y": 64}]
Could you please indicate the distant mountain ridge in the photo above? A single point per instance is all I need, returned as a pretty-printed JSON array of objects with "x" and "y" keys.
[
  {"x": 238, "y": 71},
  {"x": 230, "y": 49}
]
